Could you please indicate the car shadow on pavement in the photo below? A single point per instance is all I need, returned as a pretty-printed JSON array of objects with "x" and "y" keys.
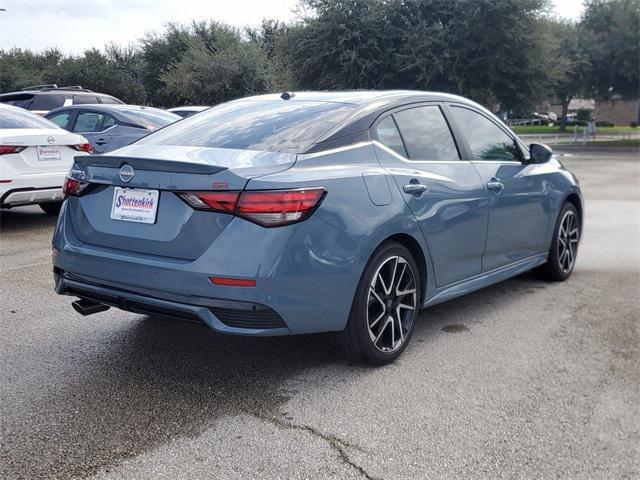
[
  {"x": 156, "y": 380},
  {"x": 21, "y": 218}
]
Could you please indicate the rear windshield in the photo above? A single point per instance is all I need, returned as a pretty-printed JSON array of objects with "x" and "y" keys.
[
  {"x": 16, "y": 118},
  {"x": 278, "y": 126},
  {"x": 150, "y": 118},
  {"x": 21, "y": 100}
]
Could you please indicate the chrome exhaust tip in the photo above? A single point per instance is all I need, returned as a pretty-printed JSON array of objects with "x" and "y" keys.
[{"x": 88, "y": 307}]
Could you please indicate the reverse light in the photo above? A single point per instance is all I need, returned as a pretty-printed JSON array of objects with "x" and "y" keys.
[
  {"x": 73, "y": 187},
  {"x": 83, "y": 147},
  {"x": 268, "y": 208},
  {"x": 6, "y": 149}
]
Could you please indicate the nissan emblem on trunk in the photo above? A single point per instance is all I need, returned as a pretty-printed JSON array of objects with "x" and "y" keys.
[
  {"x": 126, "y": 173},
  {"x": 51, "y": 140}
]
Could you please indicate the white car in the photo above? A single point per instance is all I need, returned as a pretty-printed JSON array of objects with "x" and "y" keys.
[{"x": 35, "y": 157}]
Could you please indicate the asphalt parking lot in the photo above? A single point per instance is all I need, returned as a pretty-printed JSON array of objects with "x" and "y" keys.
[{"x": 524, "y": 379}]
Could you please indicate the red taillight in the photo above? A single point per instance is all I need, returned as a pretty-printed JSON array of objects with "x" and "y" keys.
[
  {"x": 6, "y": 149},
  {"x": 83, "y": 147},
  {"x": 269, "y": 208},
  {"x": 275, "y": 208},
  {"x": 224, "y": 202},
  {"x": 72, "y": 187},
  {"x": 233, "y": 282}
]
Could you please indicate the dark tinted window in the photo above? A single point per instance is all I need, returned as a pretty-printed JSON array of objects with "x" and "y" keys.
[
  {"x": 284, "y": 126},
  {"x": 389, "y": 136},
  {"x": 17, "y": 118},
  {"x": 22, "y": 100},
  {"x": 84, "y": 99},
  {"x": 486, "y": 140},
  {"x": 60, "y": 119},
  {"x": 47, "y": 101},
  {"x": 426, "y": 134}
]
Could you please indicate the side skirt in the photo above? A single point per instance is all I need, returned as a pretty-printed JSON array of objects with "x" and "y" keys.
[{"x": 485, "y": 279}]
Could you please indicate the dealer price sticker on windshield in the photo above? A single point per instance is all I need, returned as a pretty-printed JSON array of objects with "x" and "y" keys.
[{"x": 135, "y": 205}]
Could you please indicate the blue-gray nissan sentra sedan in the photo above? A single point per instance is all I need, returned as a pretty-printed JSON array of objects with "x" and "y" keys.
[{"x": 315, "y": 212}]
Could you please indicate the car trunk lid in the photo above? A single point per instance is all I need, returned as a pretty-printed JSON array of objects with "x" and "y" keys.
[{"x": 178, "y": 231}]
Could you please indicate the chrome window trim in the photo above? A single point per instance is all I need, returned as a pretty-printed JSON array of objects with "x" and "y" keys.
[{"x": 414, "y": 162}]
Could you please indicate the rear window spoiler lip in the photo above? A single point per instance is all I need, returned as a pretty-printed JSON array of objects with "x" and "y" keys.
[{"x": 152, "y": 164}]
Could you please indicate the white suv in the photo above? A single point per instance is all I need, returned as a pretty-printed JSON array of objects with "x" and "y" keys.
[{"x": 35, "y": 157}]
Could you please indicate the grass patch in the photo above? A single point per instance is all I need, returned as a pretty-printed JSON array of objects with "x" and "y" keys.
[
  {"x": 539, "y": 129},
  {"x": 629, "y": 143}
]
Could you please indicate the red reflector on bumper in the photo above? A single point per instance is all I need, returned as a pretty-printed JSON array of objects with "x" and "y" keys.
[{"x": 233, "y": 282}]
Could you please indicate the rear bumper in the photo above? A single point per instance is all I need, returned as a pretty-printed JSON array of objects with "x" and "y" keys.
[
  {"x": 306, "y": 275},
  {"x": 30, "y": 196},
  {"x": 223, "y": 316},
  {"x": 31, "y": 189}
]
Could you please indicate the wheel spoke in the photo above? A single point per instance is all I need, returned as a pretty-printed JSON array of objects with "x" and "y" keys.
[
  {"x": 376, "y": 296},
  {"x": 405, "y": 306}
]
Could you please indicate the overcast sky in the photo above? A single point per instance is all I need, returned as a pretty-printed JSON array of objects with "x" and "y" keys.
[{"x": 75, "y": 25}]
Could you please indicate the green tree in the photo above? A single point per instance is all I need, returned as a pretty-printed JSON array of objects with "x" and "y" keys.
[
  {"x": 612, "y": 33},
  {"x": 570, "y": 67},
  {"x": 217, "y": 67},
  {"x": 490, "y": 50}
]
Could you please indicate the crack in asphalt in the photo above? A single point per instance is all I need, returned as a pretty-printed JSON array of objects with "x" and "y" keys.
[{"x": 337, "y": 444}]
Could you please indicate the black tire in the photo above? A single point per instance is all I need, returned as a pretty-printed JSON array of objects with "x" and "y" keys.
[
  {"x": 558, "y": 268},
  {"x": 52, "y": 208},
  {"x": 357, "y": 339}
]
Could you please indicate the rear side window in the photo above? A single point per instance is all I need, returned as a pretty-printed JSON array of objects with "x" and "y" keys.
[
  {"x": 486, "y": 140},
  {"x": 426, "y": 134},
  {"x": 278, "y": 126},
  {"x": 88, "y": 122},
  {"x": 84, "y": 99},
  {"x": 149, "y": 118},
  {"x": 109, "y": 100},
  {"x": 61, "y": 119},
  {"x": 47, "y": 101},
  {"x": 17, "y": 118},
  {"x": 389, "y": 136},
  {"x": 22, "y": 100}
]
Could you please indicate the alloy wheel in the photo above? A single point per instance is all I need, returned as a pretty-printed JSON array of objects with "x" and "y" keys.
[
  {"x": 392, "y": 304},
  {"x": 568, "y": 238}
]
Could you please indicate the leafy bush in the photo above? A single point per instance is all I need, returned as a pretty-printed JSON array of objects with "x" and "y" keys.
[
  {"x": 634, "y": 124},
  {"x": 604, "y": 124}
]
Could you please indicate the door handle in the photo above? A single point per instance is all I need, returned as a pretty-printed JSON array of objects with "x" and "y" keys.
[
  {"x": 101, "y": 141},
  {"x": 495, "y": 185},
  {"x": 415, "y": 188}
]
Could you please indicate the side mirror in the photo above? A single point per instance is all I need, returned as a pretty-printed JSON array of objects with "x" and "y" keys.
[{"x": 540, "y": 153}]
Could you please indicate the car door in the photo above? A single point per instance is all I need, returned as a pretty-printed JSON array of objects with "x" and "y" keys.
[
  {"x": 446, "y": 194},
  {"x": 97, "y": 127},
  {"x": 517, "y": 220}
]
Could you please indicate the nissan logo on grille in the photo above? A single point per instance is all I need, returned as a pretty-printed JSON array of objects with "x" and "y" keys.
[{"x": 126, "y": 173}]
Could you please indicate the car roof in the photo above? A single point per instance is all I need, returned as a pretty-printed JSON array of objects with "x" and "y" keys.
[
  {"x": 113, "y": 108},
  {"x": 368, "y": 106}
]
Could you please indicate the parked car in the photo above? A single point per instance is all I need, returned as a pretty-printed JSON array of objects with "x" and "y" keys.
[
  {"x": 35, "y": 156},
  {"x": 42, "y": 98},
  {"x": 186, "y": 111},
  {"x": 315, "y": 212},
  {"x": 108, "y": 127}
]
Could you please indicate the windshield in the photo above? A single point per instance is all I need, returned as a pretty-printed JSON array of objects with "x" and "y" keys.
[
  {"x": 150, "y": 118},
  {"x": 18, "y": 118},
  {"x": 279, "y": 126}
]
